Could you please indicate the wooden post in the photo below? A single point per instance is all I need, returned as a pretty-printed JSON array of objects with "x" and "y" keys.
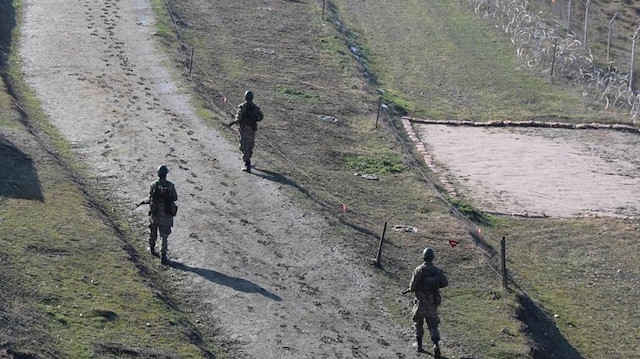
[
  {"x": 569, "y": 16},
  {"x": 503, "y": 252},
  {"x": 191, "y": 62},
  {"x": 586, "y": 22},
  {"x": 324, "y": 3},
  {"x": 609, "y": 40},
  {"x": 553, "y": 60},
  {"x": 379, "y": 256},
  {"x": 633, "y": 58},
  {"x": 378, "y": 115}
]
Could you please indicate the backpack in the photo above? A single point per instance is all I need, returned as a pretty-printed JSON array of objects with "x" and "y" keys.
[
  {"x": 253, "y": 115},
  {"x": 161, "y": 195},
  {"x": 431, "y": 281}
]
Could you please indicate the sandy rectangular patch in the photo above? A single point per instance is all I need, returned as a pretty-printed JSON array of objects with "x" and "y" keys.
[{"x": 558, "y": 172}]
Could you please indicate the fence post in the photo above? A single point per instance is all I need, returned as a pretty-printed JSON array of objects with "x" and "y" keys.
[
  {"x": 609, "y": 40},
  {"x": 379, "y": 256},
  {"x": 553, "y": 60},
  {"x": 633, "y": 55},
  {"x": 503, "y": 253},
  {"x": 324, "y": 2},
  {"x": 569, "y": 16},
  {"x": 378, "y": 115},
  {"x": 191, "y": 62},
  {"x": 586, "y": 22}
]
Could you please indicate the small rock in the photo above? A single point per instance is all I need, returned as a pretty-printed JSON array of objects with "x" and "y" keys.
[
  {"x": 329, "y": 118},
  {"x": 368, "y": 176},
  {"x": 405, "y": 228},
  {"x": 265, "y": 51}
]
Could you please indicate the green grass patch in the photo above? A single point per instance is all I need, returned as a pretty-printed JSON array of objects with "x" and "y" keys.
[
  {"x": 472, "y": 213},
  {"x": 475, "y": 315},
  {"x": 297, "y": 94},
  {"x": 375, "y": 164}
]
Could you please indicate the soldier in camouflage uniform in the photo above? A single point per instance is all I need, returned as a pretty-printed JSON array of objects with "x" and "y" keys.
[
  {"x": 162, "y": 209},
  {"x": 426, "y": 282},
  {"x": 247, "y": 118}
]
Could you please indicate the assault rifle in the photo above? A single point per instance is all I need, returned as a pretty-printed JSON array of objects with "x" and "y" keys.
[{"x": 146, "y": 201}]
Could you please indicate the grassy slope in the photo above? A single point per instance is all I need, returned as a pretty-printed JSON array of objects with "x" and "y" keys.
[
  {"x": 444, "y": 63},
  {"x": 72, "y": 286},
  {"x": 585, "y": 272}
]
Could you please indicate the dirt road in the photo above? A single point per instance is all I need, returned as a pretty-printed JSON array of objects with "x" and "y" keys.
[{"x": 240, "y": 248}]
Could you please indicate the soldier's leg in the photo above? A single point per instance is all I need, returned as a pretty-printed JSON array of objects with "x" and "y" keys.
[
  {"x": 247, "y": 141},
  {"x": 432, "y": 324},
  {"x": 153, "y": 237},
  {"x": 164, "y": 234},
  {"x": 418, "y": 322}
]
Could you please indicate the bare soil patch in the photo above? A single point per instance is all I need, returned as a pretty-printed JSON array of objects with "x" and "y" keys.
[{"x": 557, "y": 172}]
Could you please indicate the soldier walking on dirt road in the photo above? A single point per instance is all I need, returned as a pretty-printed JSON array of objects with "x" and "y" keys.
[
  {"x": 247, "y": 118},
  {"x": 426, "y": 282},
  {"x": 162, "y": 209}
]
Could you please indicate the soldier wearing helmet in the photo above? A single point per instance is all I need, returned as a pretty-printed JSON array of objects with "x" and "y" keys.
[
  {"x": 162, "y": 209},
  {"x": 247, "y": 118},
  {"x": 426, "y": 282}
]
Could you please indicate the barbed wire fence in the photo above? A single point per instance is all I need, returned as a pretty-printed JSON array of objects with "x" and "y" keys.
[{"x": 543, "y": 46}]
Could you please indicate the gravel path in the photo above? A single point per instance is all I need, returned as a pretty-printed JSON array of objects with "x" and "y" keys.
[{"x": 240, "y": 248}]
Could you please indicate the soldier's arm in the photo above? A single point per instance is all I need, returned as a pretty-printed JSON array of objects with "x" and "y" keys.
[
  {"x": 259, "y": 115},
  {"x": 151, "y": 190},
  {"x": 144, "y": 201},
  {"x": 174, "y": 194},
  {"x": 414, "y": 281},
  {"x": 444, "y": 281},
  {"x": 238, "y": 116}
]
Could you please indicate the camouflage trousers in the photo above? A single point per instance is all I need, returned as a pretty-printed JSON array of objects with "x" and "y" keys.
[
  {"x": 247, "y": 141},
  {"x": 425, "y": 311},
  {"x": 165, "y": 231}
]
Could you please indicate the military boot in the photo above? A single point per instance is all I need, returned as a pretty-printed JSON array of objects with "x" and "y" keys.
[
  {"x": 436, "y": 351},
  {"x": 152, "y": 248},
  {"x": 164, "y": 260},
  {"x": 247, "y": 166},
  {"x": 419, "y": 346}
]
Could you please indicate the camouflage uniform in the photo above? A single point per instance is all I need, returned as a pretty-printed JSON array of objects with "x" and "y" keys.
[
  {"x": 427, "y": 301},
  {"x": 247, "y": 117},
  {"x": 159, "y": 219}
]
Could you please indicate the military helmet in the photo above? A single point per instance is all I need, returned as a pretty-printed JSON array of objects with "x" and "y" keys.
[
  {"x": 162, "y": 171},
  {"x": 428, "y": 254},
  {"x": 248, "y": 96}
]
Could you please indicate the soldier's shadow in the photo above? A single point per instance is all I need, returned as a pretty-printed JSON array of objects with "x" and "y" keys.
[
  {"x": 277, "y": 177},
  {"x": 239, "y": 284}
]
